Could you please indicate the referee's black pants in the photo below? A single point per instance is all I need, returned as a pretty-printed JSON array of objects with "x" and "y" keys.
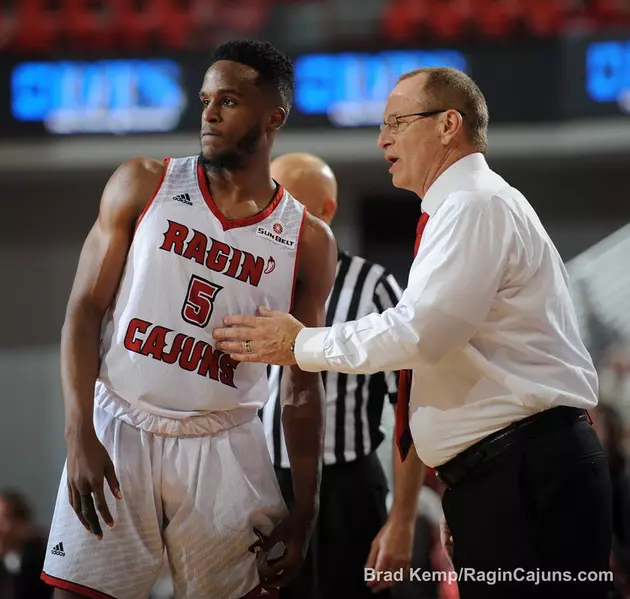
[
  {"x": 540, "y": 506},
  {"x": 352, "y": 511}
]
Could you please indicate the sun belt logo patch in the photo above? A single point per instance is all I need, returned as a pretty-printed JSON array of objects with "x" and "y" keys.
[{"x": 275, "y": 235}]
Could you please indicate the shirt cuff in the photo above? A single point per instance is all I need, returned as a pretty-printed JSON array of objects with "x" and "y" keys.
[{"x": 309, "y": 349}]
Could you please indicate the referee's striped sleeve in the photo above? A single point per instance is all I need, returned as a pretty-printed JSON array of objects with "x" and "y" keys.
[{"x": 387, "y": 294}]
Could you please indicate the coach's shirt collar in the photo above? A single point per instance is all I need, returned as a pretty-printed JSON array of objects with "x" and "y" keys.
[{"x": 452, "y": 179}]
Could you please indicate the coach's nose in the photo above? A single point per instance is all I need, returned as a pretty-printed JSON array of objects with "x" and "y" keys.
[{"x": 384, "y": 138}]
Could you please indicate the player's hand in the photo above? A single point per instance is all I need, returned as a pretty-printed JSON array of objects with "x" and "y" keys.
[
  {"x": 89, "y": 465},
  {"x": 283, "y": 551},
  {"x": 447, "y": 539},
  {"x": 391, "y": 550}
]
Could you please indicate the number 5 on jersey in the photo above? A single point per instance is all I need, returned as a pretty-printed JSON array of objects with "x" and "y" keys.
[{"x": 199, "y": 303}]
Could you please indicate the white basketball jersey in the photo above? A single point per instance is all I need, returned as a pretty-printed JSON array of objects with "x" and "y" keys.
[{"x": 188, "y": 267}]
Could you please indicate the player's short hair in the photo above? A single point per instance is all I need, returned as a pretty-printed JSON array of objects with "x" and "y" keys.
[
  {"x": 20, "y": 509},
  {"x": 275, "y": 70},
  {"x": 450, "y": 88}
]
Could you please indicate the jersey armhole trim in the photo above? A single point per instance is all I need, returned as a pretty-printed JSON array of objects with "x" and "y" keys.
[
  {"x": 297, "y": 260},
  {"x": 73, "y": 587},
  {"x": 167, "y": 161}
]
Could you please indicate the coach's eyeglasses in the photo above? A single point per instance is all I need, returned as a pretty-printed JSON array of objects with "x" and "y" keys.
[{"x": 395, "y": 122}]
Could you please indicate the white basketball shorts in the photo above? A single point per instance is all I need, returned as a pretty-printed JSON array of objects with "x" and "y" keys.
[{"x": 198, "y": 497}]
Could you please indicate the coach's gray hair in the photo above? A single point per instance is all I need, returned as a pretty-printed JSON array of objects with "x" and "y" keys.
[{"x": 450, "y": 88}]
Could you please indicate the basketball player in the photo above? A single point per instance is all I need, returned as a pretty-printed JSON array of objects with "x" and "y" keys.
[{"x": 151, "y": 406}]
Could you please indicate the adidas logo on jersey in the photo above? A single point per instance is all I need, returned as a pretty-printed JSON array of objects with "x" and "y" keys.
[
  {"x": 184, "y": 198},
  {"x": 58, "y": 550}
]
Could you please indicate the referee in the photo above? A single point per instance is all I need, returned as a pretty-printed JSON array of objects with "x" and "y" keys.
[{"x": 353, "y": 486}]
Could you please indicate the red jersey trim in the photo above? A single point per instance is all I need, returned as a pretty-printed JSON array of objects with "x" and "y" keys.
[
  {"x": 226, "y": 223},
  {"x": 73, "y": 587},
  {"x": 167, "y": 161},
  {"x": 297, "y": 260}
]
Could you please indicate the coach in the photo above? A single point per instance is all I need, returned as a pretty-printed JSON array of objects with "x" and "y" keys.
[{"x": 499, "y": 379}]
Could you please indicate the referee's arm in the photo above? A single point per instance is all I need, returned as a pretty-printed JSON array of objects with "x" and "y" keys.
[{"x": 392, "y": 548}]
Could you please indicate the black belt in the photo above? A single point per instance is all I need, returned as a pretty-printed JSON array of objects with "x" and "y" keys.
[{"x": 517, "y": 433}]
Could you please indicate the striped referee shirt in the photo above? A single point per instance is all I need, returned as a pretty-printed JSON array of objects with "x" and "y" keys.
[{"x": 354, "y": 403}]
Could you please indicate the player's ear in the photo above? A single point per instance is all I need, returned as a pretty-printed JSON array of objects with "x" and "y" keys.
[{"x": 277, "y": 118}]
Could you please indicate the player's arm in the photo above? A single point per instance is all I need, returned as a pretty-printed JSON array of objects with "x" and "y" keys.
[
  {"x": 303, "y": 392},
  {"x": 96, "y": 281},
  {"x": 303, "y": 414}
]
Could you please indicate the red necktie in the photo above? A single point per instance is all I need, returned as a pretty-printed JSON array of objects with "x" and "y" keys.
[{"x": 402, "y": 430}]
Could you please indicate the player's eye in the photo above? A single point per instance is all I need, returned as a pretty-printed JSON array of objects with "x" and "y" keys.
[
  {"x": 205, "y": 102},
  {"x": 228, "y": 102}
]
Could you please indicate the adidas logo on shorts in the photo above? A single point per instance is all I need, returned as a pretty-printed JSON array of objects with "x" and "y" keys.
[{"x": 58, "y": 550}]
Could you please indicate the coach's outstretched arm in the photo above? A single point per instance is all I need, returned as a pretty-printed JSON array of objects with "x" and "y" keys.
[
  {"x": 452, "y": 284},
  {"x": 98, "y": 274},
  {"x": 303, "y": 412}
]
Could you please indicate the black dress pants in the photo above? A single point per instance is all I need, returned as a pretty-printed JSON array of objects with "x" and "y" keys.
[
  {"x": 535, "y": 520},
  {"x": 352, "y": 511}
]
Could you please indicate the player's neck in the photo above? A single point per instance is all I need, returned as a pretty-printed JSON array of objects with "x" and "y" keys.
[{"x": 244, "y": 185}]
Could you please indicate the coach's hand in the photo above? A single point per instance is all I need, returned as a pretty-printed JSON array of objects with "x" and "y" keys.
[
  {"x": 277, "y": 568},
  {"x": 267, "y": 338},
  {"x": 88, "y": 465}
]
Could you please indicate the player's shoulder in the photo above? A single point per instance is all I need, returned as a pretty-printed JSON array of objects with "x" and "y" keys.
[
  {"x": 316, "y": 233},
  {"x": 141, "y": 169},
  {"x": 317, "y": 252},
  {"x": 132, "y": 185}
]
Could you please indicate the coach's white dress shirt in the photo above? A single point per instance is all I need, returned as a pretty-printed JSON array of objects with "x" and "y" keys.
[{"x": 486, "y": 322}]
